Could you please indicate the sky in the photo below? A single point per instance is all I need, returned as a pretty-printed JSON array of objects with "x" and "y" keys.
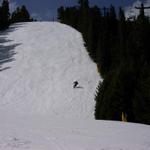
[{"x": 47, "y": 9}]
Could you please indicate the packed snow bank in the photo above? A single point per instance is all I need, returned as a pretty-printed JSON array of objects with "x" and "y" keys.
[{"x": 48, "y": 58}]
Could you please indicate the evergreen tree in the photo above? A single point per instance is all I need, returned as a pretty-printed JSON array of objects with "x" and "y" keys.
[
  {"x": 20, "y": 15},
  {"x": 84, "y": 18},
  {"x": 61, "y": 14},
  {"x": 121, "y": 15},
  {"x": 141, "y": 100},
  {"x": 122, "y": 36},
  {"x": 93, "y": 31},
  {"x": 24, "y": 14},
  {"x": 83, "y": 4},
  {"x": 4, "y": 15},
  {"x": 109, "y": 105},
  {"x": 15, "y": 17}
]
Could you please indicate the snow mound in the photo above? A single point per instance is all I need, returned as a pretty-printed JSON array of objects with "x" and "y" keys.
[{"x": 40, "y": 63}]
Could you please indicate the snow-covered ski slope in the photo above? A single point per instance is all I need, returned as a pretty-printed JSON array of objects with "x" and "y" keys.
[
  {"x": 43, "y": 133},
  {"x": 39, "y": 109},
  {"x": 48, "y": 58}
]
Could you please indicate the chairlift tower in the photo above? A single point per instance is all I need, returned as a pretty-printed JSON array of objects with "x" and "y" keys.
[{"x": 141, "y": 9}]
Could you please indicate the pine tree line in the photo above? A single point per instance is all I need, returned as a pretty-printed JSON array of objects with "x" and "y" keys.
[
  {"x": 21, "y": 14},
  {"x": 121, "y": 49}
]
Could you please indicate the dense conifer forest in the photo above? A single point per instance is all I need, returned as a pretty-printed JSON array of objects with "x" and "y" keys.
[
  {"x": 21, "y": 14},
  {"x": 120, "y": 47}
]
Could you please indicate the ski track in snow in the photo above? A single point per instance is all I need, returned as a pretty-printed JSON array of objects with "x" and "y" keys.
[{"x": 39, "y": 109}]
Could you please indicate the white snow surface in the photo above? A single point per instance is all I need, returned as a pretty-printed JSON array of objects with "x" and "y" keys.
[
  {"x": 39, "y": 109},
  {"x": 49, "y": 58},
  {"x": 43, "y": 133}
]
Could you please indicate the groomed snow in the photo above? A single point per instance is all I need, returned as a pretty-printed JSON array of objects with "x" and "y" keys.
[
  {"x": 39, "y": 109},
  {"x": 44, "y": 133},
  {"x": 49, "y": 58}
]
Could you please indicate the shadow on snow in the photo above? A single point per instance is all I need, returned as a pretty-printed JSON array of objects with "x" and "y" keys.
[{"x": 6, "y": 52}]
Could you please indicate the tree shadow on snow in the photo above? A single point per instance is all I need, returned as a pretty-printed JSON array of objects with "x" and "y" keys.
[
  {"x": 12, "y": 28},
  {"x": 6, "y": 52}
]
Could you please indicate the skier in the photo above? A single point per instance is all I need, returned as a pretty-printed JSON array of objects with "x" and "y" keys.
[{"x": 75, "y": 84}]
